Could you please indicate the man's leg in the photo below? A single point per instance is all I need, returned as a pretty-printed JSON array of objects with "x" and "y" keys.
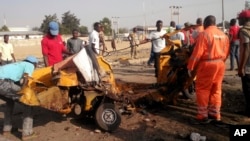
[
  {"x": 246, "y": 90},
  {"x": 27, "y": 121},
  {"x": 7, "y": 121},
  {"x": 131, "y": 51},
  {"x": 237, "y": 54},
  {"x": 215, "y": 95},
  {"x": 151, "y": 58},
  {"x": 135, "y": 52},
  {"x": 156, "y": 63},
  {"x": 232, "y": 53}
]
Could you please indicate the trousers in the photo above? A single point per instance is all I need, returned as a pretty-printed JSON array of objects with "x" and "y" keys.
[
  {"x": 208, "y": 89},
  {"x": 8, "y": 89}
]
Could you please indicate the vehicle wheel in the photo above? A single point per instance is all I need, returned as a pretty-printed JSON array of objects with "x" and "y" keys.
[
  {"x": 190, "y": 92},
  {"x": 107, "y": 117}
]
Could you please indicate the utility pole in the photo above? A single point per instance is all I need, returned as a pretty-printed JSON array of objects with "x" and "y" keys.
[
  {"x": 175, "y": 12},
  {"x": 115, "y": 23},
  {"x": 171, "y": 12},
  {"x": 223, "y": 23}
]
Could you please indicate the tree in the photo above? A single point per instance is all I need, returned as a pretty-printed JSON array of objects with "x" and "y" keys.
[
  {"x": 45, "y": 23},
  {"x": 107, "y": 26},
  {"x": 83, "y": 30},
  {"x": 4, "y": 28},
  {"x": 35, "y": 29},
  {"x": 69, "y": 22}
]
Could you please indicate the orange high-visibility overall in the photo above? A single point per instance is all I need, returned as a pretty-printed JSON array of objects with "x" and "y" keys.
[{"x": 208, "y": 57}]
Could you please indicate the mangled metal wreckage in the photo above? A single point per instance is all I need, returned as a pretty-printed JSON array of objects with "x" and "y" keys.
[
  {"x": 85, "y": 84},
  {"x": 82, "y": 84}
]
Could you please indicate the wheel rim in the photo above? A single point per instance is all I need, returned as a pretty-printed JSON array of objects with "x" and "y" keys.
[{"x": 109, "y": 116}]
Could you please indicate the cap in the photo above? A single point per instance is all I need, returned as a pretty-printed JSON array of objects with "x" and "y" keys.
[
  {"x": 31, "y": 59},
  {"x": 178, "y": 27},
  {"x": 53, "y": 28},
  {"x": 244, "y": 14}
]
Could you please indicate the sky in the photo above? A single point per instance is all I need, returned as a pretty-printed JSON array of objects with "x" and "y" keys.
[{"x": 130, "y": 13}]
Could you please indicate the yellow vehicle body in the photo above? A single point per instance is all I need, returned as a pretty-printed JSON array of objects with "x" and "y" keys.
[
  {"x": 42, "y": 90},
  {"x": 172, "y": 72}
]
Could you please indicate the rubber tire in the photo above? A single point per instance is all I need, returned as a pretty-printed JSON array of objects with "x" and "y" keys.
[
  {"x": 190, "y": 92},
  {"x": 103, "y": 111}
]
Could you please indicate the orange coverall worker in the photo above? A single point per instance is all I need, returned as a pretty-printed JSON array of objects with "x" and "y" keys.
[{"x": 208, "y": 57}]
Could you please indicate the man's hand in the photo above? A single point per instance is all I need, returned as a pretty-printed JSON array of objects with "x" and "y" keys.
[{"x": 241, "y": 72}]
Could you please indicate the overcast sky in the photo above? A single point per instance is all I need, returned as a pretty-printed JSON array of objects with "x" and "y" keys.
[{"x": 21, "y": 13}]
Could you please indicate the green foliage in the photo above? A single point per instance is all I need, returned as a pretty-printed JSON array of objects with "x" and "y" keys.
[
  {"x": 83, "y": 30},
  {"x": 4, "y": 28},
  {"x": 107, "y": 26},
  {"x": 69, "y": 22},
  {"x": 35, "y": 29},
  {"x": 45, "y": 23}
]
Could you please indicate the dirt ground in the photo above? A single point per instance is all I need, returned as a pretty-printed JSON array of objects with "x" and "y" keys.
[{"x": 156, "y": 123}]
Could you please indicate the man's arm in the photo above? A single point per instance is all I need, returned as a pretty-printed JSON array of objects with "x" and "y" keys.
[
  {"x": 245, "y": 54},
  {"x": 93, "y": 48},
  {"x": 102, "y": 40},
  {"x": 13, "y": 56},
  {"x": 45, "y": 59},
  {"x": 25, "y": 80}
]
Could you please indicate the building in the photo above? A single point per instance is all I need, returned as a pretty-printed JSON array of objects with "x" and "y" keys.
[{"x": 21, "y": 33}]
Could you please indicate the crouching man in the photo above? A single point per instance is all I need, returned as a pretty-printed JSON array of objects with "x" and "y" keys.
[{"x": 10, "y": 76}]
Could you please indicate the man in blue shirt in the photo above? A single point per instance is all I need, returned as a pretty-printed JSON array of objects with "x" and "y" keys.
[{"x": 10, "y": 76}]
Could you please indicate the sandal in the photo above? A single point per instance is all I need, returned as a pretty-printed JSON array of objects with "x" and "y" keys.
[{"x": 28, "y": 137}]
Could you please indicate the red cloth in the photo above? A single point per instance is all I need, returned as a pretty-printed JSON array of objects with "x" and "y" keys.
[
  {"x": 233, "y": 31},
  {"x": 53, "y": 48}
]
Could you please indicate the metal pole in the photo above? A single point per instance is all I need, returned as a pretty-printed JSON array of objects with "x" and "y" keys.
[
  {"x": 171, "y": 14},
  {"x": 112, "y": 26},
  {"x": 178, "y": 14},
  {"x": 223, "y": 24}
]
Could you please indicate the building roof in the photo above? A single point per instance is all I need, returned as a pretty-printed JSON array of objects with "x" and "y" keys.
[{"x": 16, "y": 33}]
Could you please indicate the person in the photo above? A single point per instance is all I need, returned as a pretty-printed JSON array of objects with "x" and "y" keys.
[
  {"x": 134, "y": 42},
  {"x": 208, "y": 60},
  {"x": 244, "y": 61},
  {"x": 74, "y": 44},
  {"x": 10, "y": 76},
  {"x": 103, "y": 47},
  {"x": 171, "y": 27},
  {"x": 179, "y": 35},
  {"x": 6, "y": 51},
  {"x": 113, "y": 45},
  {"x": 198, "y": 29},
  {"x": 234, "y": 43},
  {"x": 94, "y": 39},
  {"x": 53, "y": 46},
  {"x": 158, "y": 42},
  {"x": 188, "y": 41}
]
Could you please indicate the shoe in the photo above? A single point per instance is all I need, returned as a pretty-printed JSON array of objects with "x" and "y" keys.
[
  {"x": 28, "y": 137},
  {"x": 150, "y": 64},
  {"x": 220, "y": 123},
  {"x": 200, "y": 122},
  {"x": 7, "y": 133}
]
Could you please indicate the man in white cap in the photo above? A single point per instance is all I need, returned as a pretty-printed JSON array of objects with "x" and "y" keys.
[
  {"x": 53, "y": 46},
  {"x": 10, "y": 76}
]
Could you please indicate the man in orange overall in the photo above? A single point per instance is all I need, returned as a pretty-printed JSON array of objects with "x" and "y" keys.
[{"x": 208, "y": 59}]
